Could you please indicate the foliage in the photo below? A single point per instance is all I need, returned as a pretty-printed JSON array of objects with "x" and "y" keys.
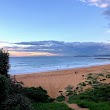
[
  {"x": 9, "y": 97},
  {"x": 4, "y": 62},
  {"x": 16, "y": 87},
  {"x": 69, "y": 90},
  {"x": 97, "y": 94},
  {"x": 51, "y": 106},
  {"x": 69, "y": 93},
  {"x": 17, "y": 102},
  {"x": 60, "y": 98},
  {"x": 37, "y": 94},
  {"x": 82, "y": 84},
  {"x": 12, "y": 95},
  {"x": 94, "y": 99},
  {"x": 93, "y": 105},
  {"x": 69, "y": 87},
  {"x": 108, "y": 76},
  {"x": 11, "y": 100},
  {"x": 4, "y": 87}
]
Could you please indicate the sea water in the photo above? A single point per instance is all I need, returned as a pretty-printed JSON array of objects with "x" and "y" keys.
[{"x": 24, "y": 65}]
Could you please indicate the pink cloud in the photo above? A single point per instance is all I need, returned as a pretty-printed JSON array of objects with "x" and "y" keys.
[
  {"x": 98, "y": 3},
  {"x": 20, "y": 54}
]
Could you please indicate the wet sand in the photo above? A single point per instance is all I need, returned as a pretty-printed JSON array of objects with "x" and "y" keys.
[{"x": 55, "y": 81}]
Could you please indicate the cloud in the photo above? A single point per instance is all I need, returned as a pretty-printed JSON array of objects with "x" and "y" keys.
[
  {"x": 98, "y": 3},
  {"x": 3, "y": 44},
  {"x": 64, "y": 48},
  {"x": 57, "y": 48},
  {"x": 102, "y": 4},
  {"x": 107, "y": 13},
  {"x": 21, "y": 54}
]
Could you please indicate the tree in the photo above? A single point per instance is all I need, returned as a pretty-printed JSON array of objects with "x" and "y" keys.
[
  {"x": 11, "y": 97},
  {"x": 4, "y": 62},
  {"x": 4, "y": 87}
]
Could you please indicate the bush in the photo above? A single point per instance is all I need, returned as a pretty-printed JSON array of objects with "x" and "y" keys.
[
  {"x": 93, "y": 105},
  {"x": 17, "y": 102},
  {"x": 69, "y": 93},
  {"x": 51, "y": 106},
  {"x": 9, "y": 97},
  {"x": 98, "y": 94},
  {"x": 108, "y": 76},
  {"x": 36, "y": 94},
  {"x": 60, "y": 98},
  {"x": 4, "y": 62},
  {"x": 9, "y": 100},
  {"x": 4, "y": 87},
  {"x": 12, "y": 95},
  {"x": 82, "y": 84}
]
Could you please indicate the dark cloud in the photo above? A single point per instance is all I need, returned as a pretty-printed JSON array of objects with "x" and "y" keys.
[
  {"x": 106, "y": 13},
  {"x": 64, "y": 48},
  {"x": 101, "y": 4},
  {"x": 40, "y": 43}
]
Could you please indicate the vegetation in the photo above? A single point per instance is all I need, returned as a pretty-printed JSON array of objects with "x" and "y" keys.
[
  {"x": 60, "y": 98},
  {"x": 108, "y": 76},
  {"x": 13, "y": 96},
  {"x": 92, "y": 105},
  {"x": 95, "y": 99},
  {"x": 36, "y": 94},
  {"x": 51, "y": 106},
  {"x": 4, "y": 62},
  {"x": 4, "y": 87},
  {"x": 69, "y": 90}
]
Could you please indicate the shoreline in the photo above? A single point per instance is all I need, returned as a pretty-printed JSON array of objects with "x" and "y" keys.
[
  {"x": 55, "y": 81},
  {"x": 59, "y": 69}
]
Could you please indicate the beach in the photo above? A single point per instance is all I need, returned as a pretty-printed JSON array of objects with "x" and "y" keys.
[{"x": 55, "y": 81}]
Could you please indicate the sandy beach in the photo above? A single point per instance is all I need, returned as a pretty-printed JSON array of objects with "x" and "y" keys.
[{"x": 56, "y": 81}]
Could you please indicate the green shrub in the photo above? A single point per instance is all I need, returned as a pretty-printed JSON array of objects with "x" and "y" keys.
[
  {"x": 101, "y": 74},
  {"x": 93, "y": 105},
  {"x": 4, "y": 87},
  {"x": 69, "y": 87},
  {"x": 51, "y": 106},
  {"x": 95, "y": 99},
  {"x": 89, "y": 82},
  {"x": 82, "y": 84},
  {"x": 9, "y": 100},
  {"x": 36, "y": 94},
  {"x": 4, "y": 62},
  {"x": 60, "y": 98},
  {"x": 17, "y": 102},
  {"x": 108, "y": 76},
  {"x": 69, "y": 93},
  {"x": 90, "y": 104}
]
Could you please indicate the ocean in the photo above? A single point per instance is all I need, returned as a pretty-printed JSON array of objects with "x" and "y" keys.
[{"x": 24, "y": 65}]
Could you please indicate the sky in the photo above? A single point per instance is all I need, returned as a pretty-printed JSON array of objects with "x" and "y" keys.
[{"x": 59, "y": 20}]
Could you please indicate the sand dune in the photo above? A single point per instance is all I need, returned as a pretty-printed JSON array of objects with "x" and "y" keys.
[{"x": 56, "y": 81}]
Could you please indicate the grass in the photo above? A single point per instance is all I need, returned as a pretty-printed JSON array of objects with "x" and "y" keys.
[
  {"x": 51, "y": 106},
  {"x": 93, "y": 105},
  {"x": 97, "y": 99},
  {"x": 108, "y": 76}
]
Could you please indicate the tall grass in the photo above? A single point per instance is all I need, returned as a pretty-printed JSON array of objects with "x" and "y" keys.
[
  {"x": 93, "y": 105},
  {"x": 51, "y": 106},
  {"x": 97, "y": 99}
]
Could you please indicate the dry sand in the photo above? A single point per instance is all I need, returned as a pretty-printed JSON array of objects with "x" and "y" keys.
[{"x": 56, "y": 81}]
